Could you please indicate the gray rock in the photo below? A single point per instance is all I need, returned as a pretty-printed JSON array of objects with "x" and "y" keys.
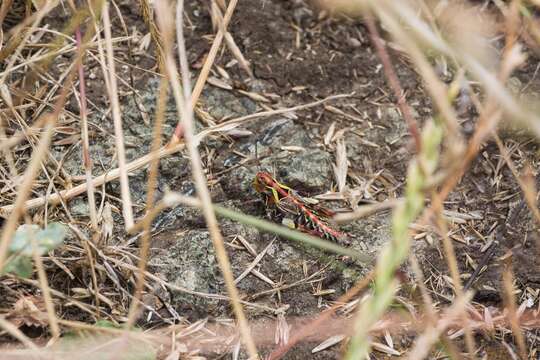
[
  {"x": 187, "y": 260},
  {"x": 220, "y": 103},
  {"x": 79, "y": 207},
  {"x": 397, "y": 128},
  {"x": 370, "y": 234},
  {"x": 311, "y": 169}
]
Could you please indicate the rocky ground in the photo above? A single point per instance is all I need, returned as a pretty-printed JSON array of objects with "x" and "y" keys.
[{"x": 298, "y": 55}]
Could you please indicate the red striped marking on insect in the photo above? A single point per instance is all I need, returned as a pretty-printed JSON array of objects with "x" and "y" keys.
[{"x": 264, "y": 183}]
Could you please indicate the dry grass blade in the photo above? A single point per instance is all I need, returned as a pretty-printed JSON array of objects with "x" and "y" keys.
[
  {"x": 205, "y": 71},
  {"x": 366, "y": 210},
  {"x": 432, "y": 334},
  {"x": 508, "y": 280},
  {"x": 38, "y": 17},
  {"x": 254, "y": 263},
  {"x": 526, "y": 183},
  {"x": 238, "y": 54},
  {"x": 97, "y": 181},
  {"x": 87, "y": 161},
  {"x": 341, "y": 166},
  {"x": 24, "y": 189},
  {"x": 217, "y": 17},
  {"x": 331, "y": 341},
  {"x": 127, "y": 209},
  {"x": 183, "y": 104},
  {"x": 233, "y": 123},
  {"x": 394, "y": 81},
  {"x": 453, "y": 266},
  {"x": 49, "y": 305},
  {"x": 151, "y": 185}
]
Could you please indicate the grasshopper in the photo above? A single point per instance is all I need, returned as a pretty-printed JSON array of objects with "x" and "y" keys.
[{"x": 309, "y": 218}]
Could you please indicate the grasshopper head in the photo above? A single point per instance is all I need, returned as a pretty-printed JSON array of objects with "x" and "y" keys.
[{"x": 262, "y": 181}]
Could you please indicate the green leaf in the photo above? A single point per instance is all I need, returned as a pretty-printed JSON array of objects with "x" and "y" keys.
[
  {"x": 46, "y": 239},
  {"x": 20, "y": 266},
  {"x": 107, "y": 324},
  {"x": 21, "y": 249},
  {"x": 21, "y": 240}
]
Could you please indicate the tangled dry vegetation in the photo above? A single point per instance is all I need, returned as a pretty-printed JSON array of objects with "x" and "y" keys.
[{"x": 130, "y": 134}]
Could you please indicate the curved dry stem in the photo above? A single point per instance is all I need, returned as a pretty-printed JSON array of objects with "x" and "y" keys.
[
  {"x": 203, "y": 75},
  {"x": 183, "y": 104},
  {"x": 150, "y": 189}
]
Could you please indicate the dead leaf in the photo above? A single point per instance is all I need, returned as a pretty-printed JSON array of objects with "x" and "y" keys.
[
  {"x": 341, "y": 166},
  {"x": 29, "y": 311},
  {"x": 107, "y": 223}
]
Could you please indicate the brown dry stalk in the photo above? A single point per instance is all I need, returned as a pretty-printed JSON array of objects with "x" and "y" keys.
[
  {"x": 427, "y": 339},
  {"x": 91, "y": 261},
  {"x": 529, "y": 191},
  {"x": 393, "y": 81},
  {"x": 229, "y": 40},
  {"x": 97, "y": 181},
  {"x": 367, "y": 210},
  {"x": 183, "y": 104},
  {"x": 451, "y": 260},
  {"x": 429, "y": 310},
  {"x": 508, "y": 282},
  {"x": 314, "y": 325},
  {"x": 40, "y": 14},
  {"x": 434, "y": 85},
  {"x": 127, "y": 209},
  {"x": 146, "y": 11},
  {"x": 212, "y": 337},
  {"x": 203, "y": 75},
  {"x": 487, "y": 121},
  {"x": 150, "y": 191},
  {"x": 44, "y": 285},
  {"x": 87, "y": 161},
  {"x": 512, "y": 22},
  {"x": 25, "y": 189},
  {"x": 4, "y": 8}
]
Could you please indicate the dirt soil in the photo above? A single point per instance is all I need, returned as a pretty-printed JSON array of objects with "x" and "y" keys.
[{"x": 298, "y": 55}]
